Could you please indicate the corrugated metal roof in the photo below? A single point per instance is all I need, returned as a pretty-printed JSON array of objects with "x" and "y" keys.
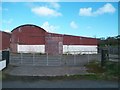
[
  {"x": 32, "y": 36},
  {"x": 27, "y": 25}
]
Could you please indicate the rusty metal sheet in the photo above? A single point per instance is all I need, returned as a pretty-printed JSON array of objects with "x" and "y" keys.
[{"x": 54, "y": 45}]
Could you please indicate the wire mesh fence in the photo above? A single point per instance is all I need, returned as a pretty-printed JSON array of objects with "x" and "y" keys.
[
  {"x": 38, "y": 59},
  {"x": 112, "y": 53}
]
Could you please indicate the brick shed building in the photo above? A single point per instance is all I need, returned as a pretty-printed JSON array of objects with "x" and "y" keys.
[
  {"x": 34, "y": 39},
  {"x": 4, "y": 40}
]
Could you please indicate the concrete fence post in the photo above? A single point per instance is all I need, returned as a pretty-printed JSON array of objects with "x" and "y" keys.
[
  {"x": 74, "y": 59},
  {"x": 88, "y": 57},
  {"x": 33, "y": 59},
  {"x": 21, "y": 56},
  {"x": 60, "y": 59},
  {"x": 47, "y": 59}
]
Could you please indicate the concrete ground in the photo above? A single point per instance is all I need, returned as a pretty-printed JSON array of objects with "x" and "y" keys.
[
  {"x": 61, "y": 84},
  {"x": 52, "y": 71},
  {"x": 44, "y": 70}
]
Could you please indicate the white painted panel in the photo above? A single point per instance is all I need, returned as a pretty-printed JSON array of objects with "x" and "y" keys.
[
  {"x": 79, "y": 49},
  {"x": 71, "y": 49},
  {"x": 31, "y": 48},
  {"x": 2, "y": 64},
  {"x": 0, "y": 55}
]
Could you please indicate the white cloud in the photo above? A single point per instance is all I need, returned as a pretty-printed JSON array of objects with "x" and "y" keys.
[
  {"x": 107, "y": 8},
  {"x": 54, "y": 5},
  {"x": 51, "y": 0},
  {"x": 89, "y": 27},
  {"x": 7, "y": 30},
  {"x": 49, "y": 28},
  {"x": 5, "y": 9},
  {"x": 73, "y": 25},
  {"x": 59, "y": 0},
  {"x": 7, "y": 21},
  {"x": 45, "y": 11},
  {"x": 85, "y": 12},
  {"x": 0, "y": 8},
  {"x": 30, "y": 0}
]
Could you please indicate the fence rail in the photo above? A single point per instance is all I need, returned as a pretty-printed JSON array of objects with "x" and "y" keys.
[
  {"x": 114, "y": 57},
  {"x": 52, "y": 60}
]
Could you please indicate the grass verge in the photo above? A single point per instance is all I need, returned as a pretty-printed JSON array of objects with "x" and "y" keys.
[{"x": 109, "y": 72}]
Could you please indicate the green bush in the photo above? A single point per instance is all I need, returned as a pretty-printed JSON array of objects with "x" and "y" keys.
[
  {"x": 110, "y": 71},
  {"x": 112, "y": 68},
  {"x": 95, "y": 67}
]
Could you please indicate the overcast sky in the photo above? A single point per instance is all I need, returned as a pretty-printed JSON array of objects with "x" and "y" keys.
[{"x": 92, "y": 19}]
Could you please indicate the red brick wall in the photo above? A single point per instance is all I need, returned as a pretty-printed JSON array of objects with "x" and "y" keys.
[
  {"x": 77, "y": 40},
  {"x": 34, "y": 35},
  {"x": 28, "y": 35},
  {"x": 4, "y": 40}
]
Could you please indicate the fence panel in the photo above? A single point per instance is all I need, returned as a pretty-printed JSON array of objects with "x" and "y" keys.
[
  {"x": 15, "y": 59},
  {"x": 113, "y": 52},
  {"x": 53, "y": 60},
  {"x": 39, "y": 60}
]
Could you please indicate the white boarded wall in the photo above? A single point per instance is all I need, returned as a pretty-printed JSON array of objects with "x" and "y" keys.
[
  {"x": 2, "y": 64},
  {"x": 80, "y": 49},
  {"x": 31, "y": 48},
  {"x": 71, "y": 49}
]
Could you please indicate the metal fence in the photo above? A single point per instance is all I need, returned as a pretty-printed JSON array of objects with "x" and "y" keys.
[
  {"x": 111, "y": 49},
  {"x": 53, "y": 60},
  {"x": 112, "y": 53},
  {"x": 114, "y": 57}
]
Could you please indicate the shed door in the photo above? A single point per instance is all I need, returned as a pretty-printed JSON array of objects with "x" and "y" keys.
[{"x": 54, "y": 45}]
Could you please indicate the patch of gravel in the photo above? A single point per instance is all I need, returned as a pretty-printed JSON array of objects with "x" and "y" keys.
[{"x": 45, "y": 71}]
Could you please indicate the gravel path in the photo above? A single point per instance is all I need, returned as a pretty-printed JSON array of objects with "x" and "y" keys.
[{"x": 45, "y": 71}]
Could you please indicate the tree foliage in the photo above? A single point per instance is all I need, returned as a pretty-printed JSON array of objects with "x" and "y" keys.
[{"x": 109, "y": 41}]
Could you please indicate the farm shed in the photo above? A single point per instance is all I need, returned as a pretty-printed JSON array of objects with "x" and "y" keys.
[
  {"x": 4, "y": 40},
  {"x": 27, "y": 39},
  {"x": 34, "y": 39}
]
